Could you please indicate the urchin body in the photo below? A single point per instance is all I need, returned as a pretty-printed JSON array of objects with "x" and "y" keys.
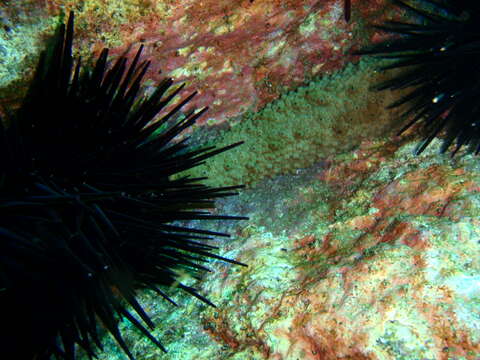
[
  {"x": 88, "y": 201},
  {"x": 439, "y": 55}
]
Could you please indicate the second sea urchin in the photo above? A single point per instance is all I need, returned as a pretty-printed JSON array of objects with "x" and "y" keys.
[
  {"x": 439, "y": 55},
  {"x": 90, "y": 195}
]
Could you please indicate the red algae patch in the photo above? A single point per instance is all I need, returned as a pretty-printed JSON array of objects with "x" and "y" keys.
[{"x": 239, "y": 55}]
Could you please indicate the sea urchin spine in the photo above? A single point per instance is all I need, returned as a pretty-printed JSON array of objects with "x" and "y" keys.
[
  {"x": 440, "y": 55},
  {"x": 89, "y": 204}
]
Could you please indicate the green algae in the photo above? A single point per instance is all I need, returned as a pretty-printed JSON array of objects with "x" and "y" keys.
[
  {"x": 20, "y": 46},
  {"x": 308, "y": 26},
  {"x": 300, "y": 128},
  {"x": 285, "y": 209}
]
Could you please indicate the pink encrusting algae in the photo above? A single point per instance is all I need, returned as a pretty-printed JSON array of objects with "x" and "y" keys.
[
  {"x": 238, "y": 55},
  {"x": 352, "y": 258},
  {"x": 378, "y": 262},
  {"x": 356, "y": 249}
]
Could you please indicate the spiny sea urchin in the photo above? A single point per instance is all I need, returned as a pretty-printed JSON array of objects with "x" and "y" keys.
[
  {"x": 89, "y": 203},
  {"x": 440, "y": 54}
]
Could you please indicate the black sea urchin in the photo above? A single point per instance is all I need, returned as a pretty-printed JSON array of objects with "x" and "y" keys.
[
  {"x": 441, "y": 57},
  {"x": 88, "y": 205}
]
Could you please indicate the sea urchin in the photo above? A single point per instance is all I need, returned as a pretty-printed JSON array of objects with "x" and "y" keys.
[
  {"x": 439, "y": 56},
  {"x": 90, "y": 196}
]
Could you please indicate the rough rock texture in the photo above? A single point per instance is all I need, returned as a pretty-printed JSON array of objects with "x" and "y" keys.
[
  {"x": 371, "y": 254},
  {"x": 330, "y": 115},
  {"x": 239, "y": 54}
]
